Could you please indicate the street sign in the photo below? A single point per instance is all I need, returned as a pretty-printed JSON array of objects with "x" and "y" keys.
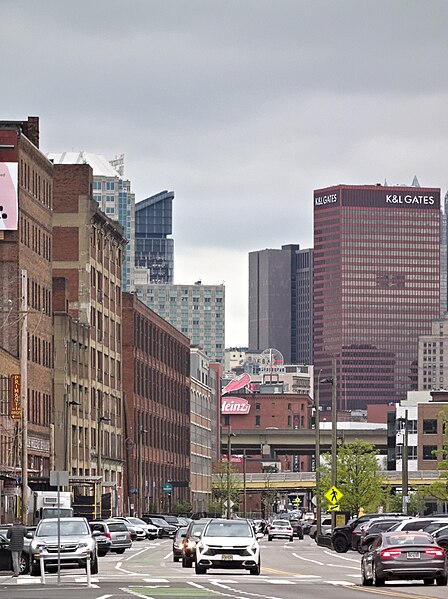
[
  {"x": 231, "y": 503},
  {"x": 333, "y": 495},
  {"x": 167, "y": 488},
  {"x": 58, "y": 478},
  {"x": 334, "y": 507},
  {"x": 297, "y": 501}
]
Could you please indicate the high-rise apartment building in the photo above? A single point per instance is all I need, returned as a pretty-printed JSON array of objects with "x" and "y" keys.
[
  {"x": 197, "y": 311},
  {"x": 114, "y": 196},
  {"x": 376, "y": 288},
  {"x": 280, "y": 302},
  {"x": 154, "y": 250}
]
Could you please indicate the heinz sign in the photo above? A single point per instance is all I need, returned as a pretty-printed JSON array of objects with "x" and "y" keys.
[{"x": 235, "y": 405}]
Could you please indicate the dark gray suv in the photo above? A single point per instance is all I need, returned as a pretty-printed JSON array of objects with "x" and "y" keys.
[{"x": 116, "y": 531}]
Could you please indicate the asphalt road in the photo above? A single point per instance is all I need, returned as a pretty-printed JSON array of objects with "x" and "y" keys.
[{"x": 289, "y": 571}]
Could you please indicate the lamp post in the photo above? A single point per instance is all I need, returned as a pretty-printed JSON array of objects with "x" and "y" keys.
[
  {"x": 317, "y": 454},
  {"x": 141, "y": 432},
  {"x": 100, "y": 460},
  {"x": 244, "y": 484},
  {"x": 68, "y": 433},
  {"x": 229, "y": 453}
]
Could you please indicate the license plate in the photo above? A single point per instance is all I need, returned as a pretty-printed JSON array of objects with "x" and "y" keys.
[
  {"x": 413, "y": 555},
  {"x": 227, "y": 558},
  {"x": 121, "y": 536}
]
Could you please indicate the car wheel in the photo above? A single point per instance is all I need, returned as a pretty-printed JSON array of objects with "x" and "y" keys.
[
  {"x": 366, "y": 582},
  {"x": 340, "y": 544},
  {"x": 378, "y": 581},
  {"x": 176, "y": 558},
  {"x": 93, "y": 566},
  {"x": 269, "y": 538},
  {"x": 441, "y": 581},
  {"x": 444, "y": 546},
  {"x": 24, "y": 564},
  {"x": 102, "y": 553},
  {"x": 256, "y": 570},
  {"x": 119, "y": 551},
  {"x": 428, "y": 581},
  {"x": 200, "y": 569},
  {"x": 291, "y": 539}
]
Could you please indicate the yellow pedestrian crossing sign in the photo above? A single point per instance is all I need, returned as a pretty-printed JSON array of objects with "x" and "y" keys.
[
  {"x": 333, "y": 495},
  {"x": 297, "y": 501}
]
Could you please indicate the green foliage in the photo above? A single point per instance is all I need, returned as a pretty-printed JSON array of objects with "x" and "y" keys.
[
  {"x": 183, "y": 508},
  {"x": 224, "y": 475},
  {"x": 416, "y": 505},
  {"x": 268, "y": 495},
  {"x": 439, "y": 488},
  {"x": 357, "y": 478}
]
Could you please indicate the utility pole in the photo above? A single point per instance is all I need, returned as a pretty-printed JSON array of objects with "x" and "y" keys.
[
  {"x": 244, "y": 484},
  {"x": 24, "y": 387},
  {"x": 405, "y": 466},
  {"x": 229, "y": 453},
  {"x": 334, "y": 435},
  {"x": 317, "y": 454}
]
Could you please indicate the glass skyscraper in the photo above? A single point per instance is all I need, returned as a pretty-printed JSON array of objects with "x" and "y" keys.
[
  {"x": 376, "y": 288},
  {"x": 154, "y": 251}
]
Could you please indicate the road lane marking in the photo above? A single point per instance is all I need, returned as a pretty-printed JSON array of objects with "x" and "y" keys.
[
  {"x": 340, "y": 583},
  {"x": 169, "y": 555},
  {"x": 154, "y": 580},
  {"x": 273, "y": 571},
  {"x": 390, "y": 593},
  {"x": 305, "y": 559},
  {"x": 136, "y": 554},
  {"x": 348, "y": 559},
  {"x": 104, "y": 597},
  {"x": 280, "y": 581}
]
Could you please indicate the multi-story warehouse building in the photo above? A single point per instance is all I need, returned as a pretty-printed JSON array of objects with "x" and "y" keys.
[
  {"x": 376, "y": 288},
  {"x": 433, "y": 357},
  {"x": 280, "y": 302},
  {"x": 26, "y": 333},
  {"x": 88, "y": 252},
  {"x": 203, "y": 437},
  {"x": 154, "y": 250},
  {"x": 114, "y": 196},
  {"x": 197, "y": 311},
  {"x": 156, "y": 386}
]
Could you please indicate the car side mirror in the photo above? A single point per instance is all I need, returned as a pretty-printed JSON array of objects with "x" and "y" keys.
[
  {"x": 183, "y": 535},
  {"x": 29, "y": 534},
  {"x": 259, "y": 535},
  {"x": 198, "y": 535},
  {"x": 96, "y": 533}
]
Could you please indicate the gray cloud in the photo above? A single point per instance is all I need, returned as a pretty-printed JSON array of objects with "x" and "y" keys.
[{"x": 243, "y": 107}]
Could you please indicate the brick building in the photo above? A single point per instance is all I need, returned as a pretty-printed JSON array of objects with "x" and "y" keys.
[
  {"x": 88, "y": 253},
  {"x": 26, "y": 280},
  {"x": 156, "y": 388}
]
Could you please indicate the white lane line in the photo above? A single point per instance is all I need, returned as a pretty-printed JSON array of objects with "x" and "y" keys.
[
  {"x": 347, "y": 559},
  {"x": 104, "y": 597},
  {"x": 275, "y": 581},
  {"x": 305, "y": 559},
  {"x": 168, "y": 555},
  {"x": 340, "y": 583},
  {"x": 136, "y": 554},
  {"x": 154, "y": 580}
]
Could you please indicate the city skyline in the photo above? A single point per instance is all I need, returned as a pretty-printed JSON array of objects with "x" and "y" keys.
[{"x": 242, "y": 109}]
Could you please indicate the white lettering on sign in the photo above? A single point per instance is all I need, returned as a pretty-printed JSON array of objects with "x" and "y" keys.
[
  {"x": 330, "y": 199},
  {"x": 409, "y": 199},
  {"x": 235, "y": 405}
]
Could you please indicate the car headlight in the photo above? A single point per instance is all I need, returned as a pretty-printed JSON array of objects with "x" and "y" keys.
[
  {"x": 200, "y": 546},
  {"x": 83, "y": 545},
  {"x": 254, "y": 547}
]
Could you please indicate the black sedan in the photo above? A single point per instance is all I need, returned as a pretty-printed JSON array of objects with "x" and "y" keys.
[
  {"x": 404, "y": 555},
  {"x": 178, "y": 543}
]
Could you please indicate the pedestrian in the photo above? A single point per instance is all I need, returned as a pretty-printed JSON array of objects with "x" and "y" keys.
[{"x": 16, "y": 535}]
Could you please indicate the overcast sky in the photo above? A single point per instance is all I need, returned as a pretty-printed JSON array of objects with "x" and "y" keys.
[{"x": 242, "y": 107}]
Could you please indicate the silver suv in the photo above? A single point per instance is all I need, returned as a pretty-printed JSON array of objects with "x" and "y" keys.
[
  {"x": 77, "y": 543},
  {"x": 228, "y": 544}
]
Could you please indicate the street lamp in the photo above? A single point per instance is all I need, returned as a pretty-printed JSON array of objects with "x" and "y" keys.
[
  {"x": 229, "y": 451},
  {"x": 68, "y": 433},
  {"x": 142, "y": 431},
  {"x": 317, "y": 449}
]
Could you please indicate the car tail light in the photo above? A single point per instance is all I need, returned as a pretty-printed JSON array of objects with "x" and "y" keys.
[
  {"x": 390, "y": 553},
  {"x": 435, "y": 552},
  {"x": 108, "y": 535}
]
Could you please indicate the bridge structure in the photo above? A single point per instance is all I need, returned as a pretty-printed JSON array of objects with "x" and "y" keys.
[
  {"x": 271, "y": 443},
  {"x": 303, "y": 481}
]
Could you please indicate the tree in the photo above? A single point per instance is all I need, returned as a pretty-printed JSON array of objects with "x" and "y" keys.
[
  {"x": 357, "y": 478},
  {"x": 439, "y": 488},
  {"x": 183, "y": 508},
  {"x": 220, "y": 485},
  {"x": 416, "y": 505},
  {"x": 268, "y": 495}
]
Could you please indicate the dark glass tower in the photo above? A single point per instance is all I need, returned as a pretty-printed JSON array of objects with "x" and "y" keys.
[
  {"x": 376, "y": 288},
  {"x": 153, "y": 249}
]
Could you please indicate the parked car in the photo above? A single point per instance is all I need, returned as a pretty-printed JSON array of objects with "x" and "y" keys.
[
  {"x": 178, "y": 543},
  {"x": 441, "y": 538},
  {"x": 229, "y": 544},
  {"x": 280, "y": 529},
  {"x": 151, "y": 531},
  {"x": 163, "y": 528},
  {"x": 372, "y": 528},
  {"x": 117, "y": 532},
  {"x": 296, "y": 527},
  {"x": 77, "y": 544},
  {"x": 325, "y": 528},
  {"x": 341, "y": 537},
  {"x": 5, "y": 553},
  {"x": 404, "y": 556},
  {"x": 192, "y": 535}
]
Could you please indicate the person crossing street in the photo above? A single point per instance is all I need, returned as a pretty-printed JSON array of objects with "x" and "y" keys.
[{"x": 16, "y": 535}]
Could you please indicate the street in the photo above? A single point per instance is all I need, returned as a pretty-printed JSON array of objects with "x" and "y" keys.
[{"x": 289, "y": 570}]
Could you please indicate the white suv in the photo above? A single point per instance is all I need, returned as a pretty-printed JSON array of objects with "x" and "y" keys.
[{"x": 228, "y": 544}]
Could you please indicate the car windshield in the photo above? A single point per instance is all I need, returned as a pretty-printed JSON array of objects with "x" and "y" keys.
[
  {"x": 228, "y": 529},
  {"x": 409, "y": 539},
  {"x": 280, "y": 523},
  {"x": 137, "y": 521},
  {"x": 159, "y": 521},
  {"x": 181, "y": 532},
  {"x": 74, "y": 527}
]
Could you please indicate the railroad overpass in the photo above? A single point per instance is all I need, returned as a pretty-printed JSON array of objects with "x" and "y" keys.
[
  {"x": 274, "y": 442},
  {"x": 297, "y": 481}
]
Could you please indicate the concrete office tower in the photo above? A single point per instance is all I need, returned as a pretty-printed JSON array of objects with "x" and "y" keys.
[
  {"x": 197, "y": 311},
  {"x": 376, "y": 288},
  {"x": 444, "y": 259},
  {"x": 280, "y": 302},
  {"x": 113, "y": 194},
  {"x": 154, "y": 251}
]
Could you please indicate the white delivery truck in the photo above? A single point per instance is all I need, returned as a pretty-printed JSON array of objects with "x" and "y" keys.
[{"x": 45, "y": 505}]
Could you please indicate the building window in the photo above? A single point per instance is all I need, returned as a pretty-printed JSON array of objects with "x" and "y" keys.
[
  {"x": 289, "y": 406},
  {"x": 257, "y": 406},
  {"x": 428, "y": 452},
  {"x": 110, "y": 185},
  {"x": 430, "y": 427},
  {"x": 227, "y": 420},
  {"x": 257, "y": 420}
]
